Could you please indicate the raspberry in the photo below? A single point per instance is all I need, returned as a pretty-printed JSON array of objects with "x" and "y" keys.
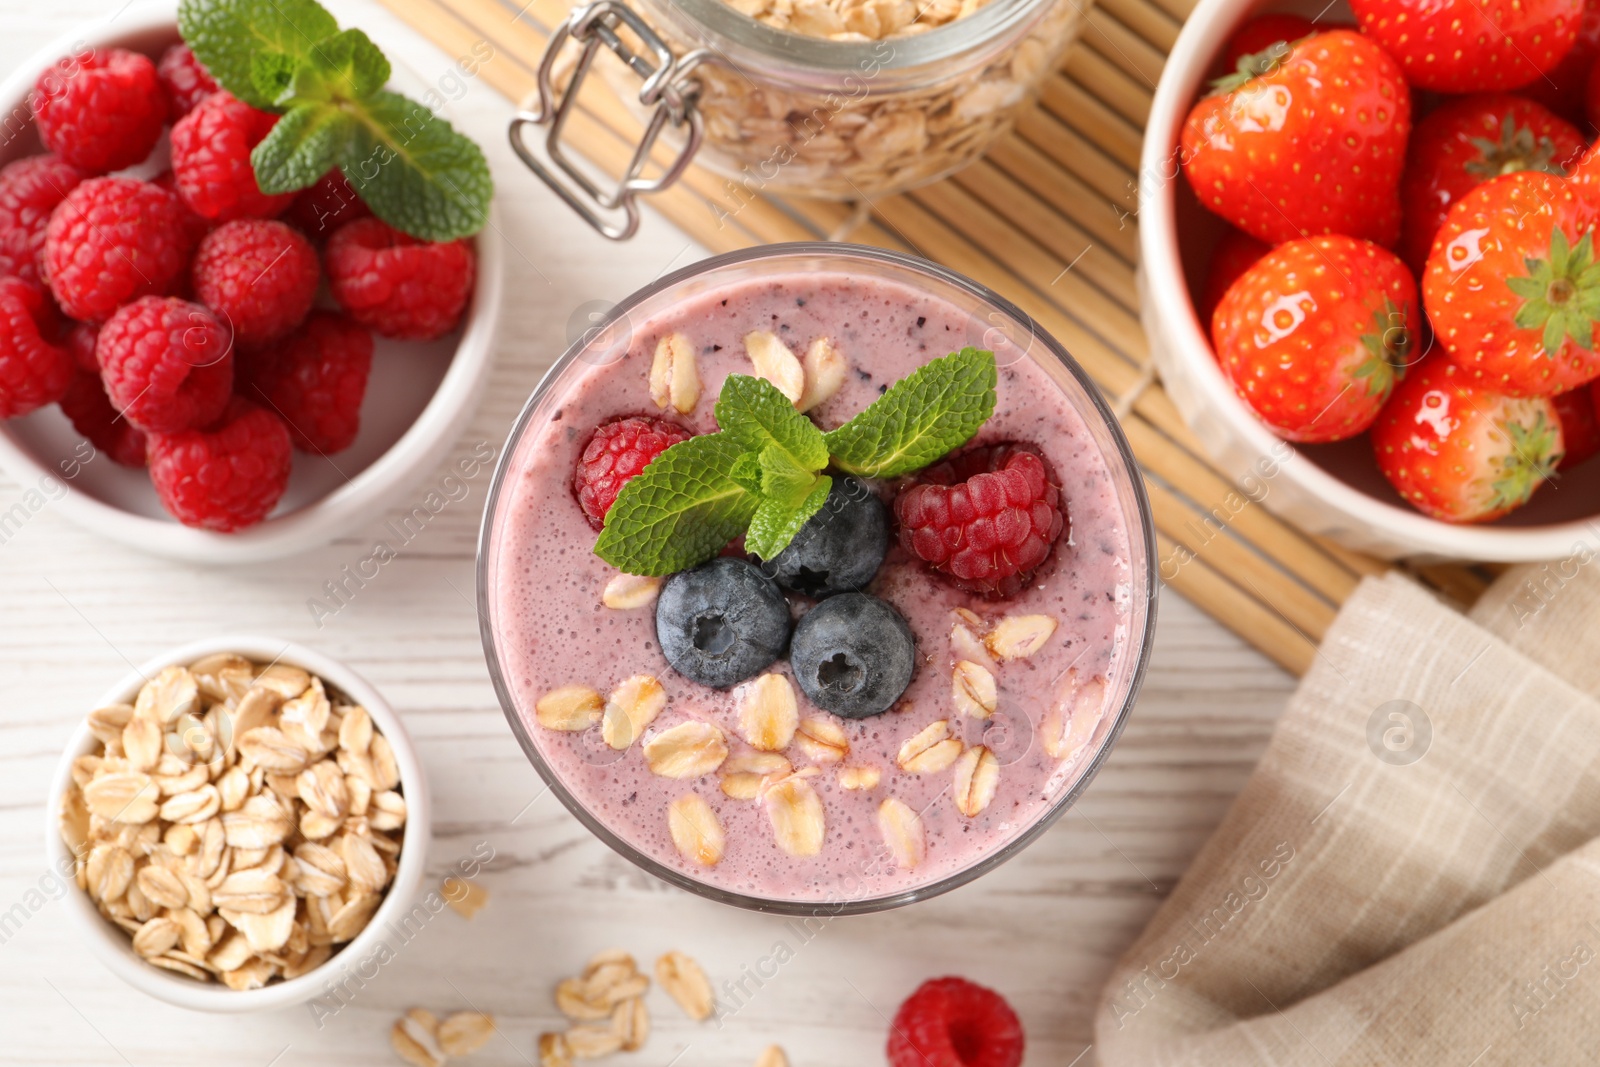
[
  {"x": 951, "y": 1022},
  {"x": 184, "y": 79},
  {"x": 258, "y": 275},
  {"x": 315, "y": 380},
  {"x": 101, "y": 110},
  {"x": 80, "y": 342},
  {"x": 30, "y": 189},
  {"x": 113, "y": 240},
  {"x": 33, "y": 372},
  {"x": 226, "y": 476},
  {"x": 986, "y": 518},
  {"x": 397, "y": 285},
  {"x": 617, "y": 451},
  {"x": 326, "y": 206},
  {"x": 167, "y": 364},
  {"x": 211, "y": 160},
  {"x": 92, "y": 415},
  {"x": 193, "y": 224}
]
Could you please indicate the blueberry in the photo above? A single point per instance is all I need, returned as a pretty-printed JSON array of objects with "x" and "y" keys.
[
  {"x": 853, "y": 655},
  {"x": 839, "y": 548},
  {"x": 721, "y": 622}
]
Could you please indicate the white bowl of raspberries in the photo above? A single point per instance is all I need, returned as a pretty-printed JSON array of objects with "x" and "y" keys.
[
  {"x": 200, "y": 367},
  {"x": 1367, "y": 262}
]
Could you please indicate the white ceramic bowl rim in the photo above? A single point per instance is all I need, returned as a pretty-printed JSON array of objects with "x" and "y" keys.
[
  {"x": 1203, "y": 35},
  {"x": 113, "y": 946},
  {"x": 360, "y": 497}
]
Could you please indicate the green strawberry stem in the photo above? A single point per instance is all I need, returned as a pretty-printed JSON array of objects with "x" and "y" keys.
[
  {"x": 1561, "y": 295},
  {"x": 1517, "y": 149},
  {"x": 1253, "y": 65},
  {"x": 1388, "y": 350},
  {"x": 1531, "y": 460}
]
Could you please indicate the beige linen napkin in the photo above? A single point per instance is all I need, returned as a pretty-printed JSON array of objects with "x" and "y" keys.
[{"x": 1410, "y": 876}]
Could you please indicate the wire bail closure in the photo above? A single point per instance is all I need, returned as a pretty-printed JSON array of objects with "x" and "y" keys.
[{"x": 668, "y": 87}]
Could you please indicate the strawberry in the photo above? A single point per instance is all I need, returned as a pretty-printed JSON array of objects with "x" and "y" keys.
[
  {"x": 1580, "y": 424},
  {"x": 1234, "y": 254},
  {"x": 1468, "y": 46},
  {"x": 1313, "y": 144},
  {"x": 1459, "y": 452},
  {"x": 1585, "y": 171},
  {"x": 1314, "y": 335},
  {"x": 1563, "y": 89},
  {"x": 1259, "y": 35},
  {"x": 1591, "y": 95},
  {"x": 1465, "y": 143},
  {"x": 1512, "y": 287}
]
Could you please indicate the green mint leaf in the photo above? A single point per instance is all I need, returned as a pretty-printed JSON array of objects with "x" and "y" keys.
[
  {"x": 747, "y": 472},
  {"x": 271, "y": 73},
  {"x": 782, "y": 479},
  {"x": 758, "y": 416},
  {"x": 774, "y": 524},
  {"x": 415, "y": 171},
  {"x": 346, "y": 66},
  {"x": 303, "y": 146},
  {"x": 936, "y": 408},
  {"x": 680, "y": 510},
  {"x": 228, "y": 35}
]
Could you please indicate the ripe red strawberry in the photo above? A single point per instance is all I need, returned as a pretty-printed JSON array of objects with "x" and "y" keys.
[
  {"x": 1259, "y": 35},
  {"x": 1585, "y": 171},
  {"x": 1591, "y": 96},
  {"x": 1314, "y": 144},
  {"x": 1563, "y": 88},
  {"x": 1314, "y": 335},
  {"x": 1235, "y": 253},
  {"x": 1580, "y": 425},
  {"x": 1512, "y": 287},
  {"x": 1465, "y": 143},
  {"x": 1461, "y": 453},
  {"x": 1465, "y": 46}
]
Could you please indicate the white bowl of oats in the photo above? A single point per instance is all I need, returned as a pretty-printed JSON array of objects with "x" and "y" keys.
[{"x": 237, "y": 814}]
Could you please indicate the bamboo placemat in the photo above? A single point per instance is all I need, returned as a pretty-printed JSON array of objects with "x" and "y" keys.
[{"x": 1047, "y": 220}]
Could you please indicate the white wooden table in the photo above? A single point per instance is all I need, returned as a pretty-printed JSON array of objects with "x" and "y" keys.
[{"x": 77, "y": 611}]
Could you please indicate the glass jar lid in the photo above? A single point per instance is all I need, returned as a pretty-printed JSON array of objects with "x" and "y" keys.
[{"x": 742, "y": 40}]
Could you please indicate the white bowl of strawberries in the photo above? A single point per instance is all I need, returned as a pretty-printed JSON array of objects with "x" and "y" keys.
[
  {"x": 1367, "y": 267},
  {"x": 235, "y": 317}
]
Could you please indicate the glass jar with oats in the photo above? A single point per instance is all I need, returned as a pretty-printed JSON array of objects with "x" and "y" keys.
[{"x": 843, "y": 99}]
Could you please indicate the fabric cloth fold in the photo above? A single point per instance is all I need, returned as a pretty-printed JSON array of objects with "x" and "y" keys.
[{"x": 1410, "y": 875}]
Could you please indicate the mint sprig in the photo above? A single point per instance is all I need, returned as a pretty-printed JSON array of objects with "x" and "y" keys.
[
  {"x": 774, "y": 525},
  {"x": 680, "y": 510},
  {"x": 233, "y": 37},
  {"x": 413, "y": 169},
  {"x": 924, "y": 415},
  {"x": 761, "y": 474}
]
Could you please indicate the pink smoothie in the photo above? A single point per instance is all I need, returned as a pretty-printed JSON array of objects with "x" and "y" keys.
[{"x": 551, "y": 629}]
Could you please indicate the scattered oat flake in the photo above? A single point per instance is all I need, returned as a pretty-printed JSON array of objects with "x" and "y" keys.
[
  {"x": 465, "y": 896},
  {"x": 686, "y": 984},
  {"x": 465, "y": 1032},
  {"x": 553, "y": 1051},
  {"x": 415, "y": 1039}
]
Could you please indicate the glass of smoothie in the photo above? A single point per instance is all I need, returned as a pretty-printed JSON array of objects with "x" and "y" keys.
[{"x": 926, "y": 675}]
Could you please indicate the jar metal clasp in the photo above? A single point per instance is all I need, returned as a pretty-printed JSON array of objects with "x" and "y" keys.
[{"x": 668, "y": 89}]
